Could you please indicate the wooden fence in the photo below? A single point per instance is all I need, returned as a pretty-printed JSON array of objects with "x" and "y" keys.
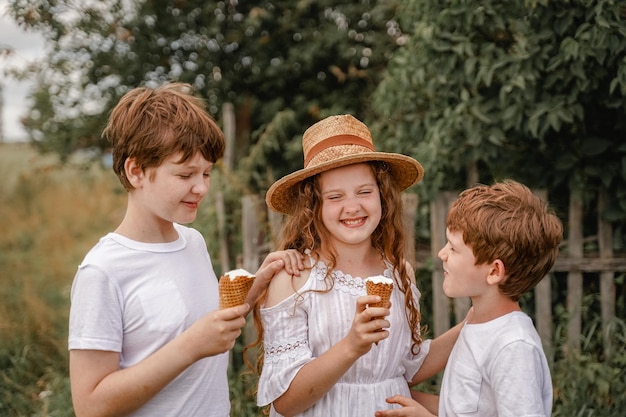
[{"x": 572, "y": 262}]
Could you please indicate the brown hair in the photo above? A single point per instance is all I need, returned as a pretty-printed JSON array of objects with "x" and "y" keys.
[
  {"x": 306, "y": 231},
  {"x": 507, "y": 221},
  {"x": 150, "y": 125}
]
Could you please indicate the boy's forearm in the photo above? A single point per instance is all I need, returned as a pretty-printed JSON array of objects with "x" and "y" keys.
[
  {"x": 124, "y": 391},
  {"x": 438, "y": 354}
]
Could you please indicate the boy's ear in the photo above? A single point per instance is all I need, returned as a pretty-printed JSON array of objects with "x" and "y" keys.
[
  {"x": 133, "y": 172},
  {"x": 497, "y": 273}
]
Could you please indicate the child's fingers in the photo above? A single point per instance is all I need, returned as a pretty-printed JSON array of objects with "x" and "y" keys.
[
  {"x": 267, "y": 271},
  {"x": 294, "y": 261},
  {"x": 401, "y": 400},
  {"x": 410, "y": 408},
  {"x": 365, "y": 300},
  {"x": 234, "y": 313},
  {"x": 290, "y": 259}
]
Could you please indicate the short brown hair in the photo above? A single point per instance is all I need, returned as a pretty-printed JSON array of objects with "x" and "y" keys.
[
  {"x": 507, "y": 221},
  {"x": 150, "y": 125}
]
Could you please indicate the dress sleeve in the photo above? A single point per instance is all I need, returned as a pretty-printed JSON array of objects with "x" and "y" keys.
[
  {"x": 286, "y": 347},
  {"x": 412, "y": 363}
]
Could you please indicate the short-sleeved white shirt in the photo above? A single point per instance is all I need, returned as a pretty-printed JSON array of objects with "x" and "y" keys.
[
  {"x": 132, "y": 297},
  {"x": 498, "y": 369}
]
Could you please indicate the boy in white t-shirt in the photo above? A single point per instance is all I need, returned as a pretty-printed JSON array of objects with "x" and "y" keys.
[
  {"x": 502, "y": 240},
  {"x": 146, "y": 337}
]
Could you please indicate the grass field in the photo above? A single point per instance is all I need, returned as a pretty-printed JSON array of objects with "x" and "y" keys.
[{"x": 50, "y": 215}]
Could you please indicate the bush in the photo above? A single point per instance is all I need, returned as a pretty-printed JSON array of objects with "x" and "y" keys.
[{"x": 590, "y": 383}]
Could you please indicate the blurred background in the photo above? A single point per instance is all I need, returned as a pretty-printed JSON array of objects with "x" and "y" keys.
[{"x": 533, "y": 90}]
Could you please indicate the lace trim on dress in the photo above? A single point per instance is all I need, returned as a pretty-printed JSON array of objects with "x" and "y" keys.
[
  {"x": 347, "y": 283},
  {"x": 344, "y": 282},
  {"x": 340, "y": 281},
  {"x": 289, "y": 349}
]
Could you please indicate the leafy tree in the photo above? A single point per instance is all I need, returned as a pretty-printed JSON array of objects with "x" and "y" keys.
[
  {"x": 533, "y": 89},
  {"x": 283, "y": 63}
]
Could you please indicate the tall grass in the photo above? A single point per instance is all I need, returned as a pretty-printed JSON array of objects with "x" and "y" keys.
[{"x": 50, "y": 216}]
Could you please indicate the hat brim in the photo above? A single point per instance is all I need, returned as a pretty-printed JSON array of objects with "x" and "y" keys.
[{"x": 405, "y": 170}]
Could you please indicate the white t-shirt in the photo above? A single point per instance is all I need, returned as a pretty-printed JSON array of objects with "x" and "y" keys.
[
  {"x": 305, "y": 325},
  {"x": 497, "y": 369},
  {"x": 133, "y": 298}
]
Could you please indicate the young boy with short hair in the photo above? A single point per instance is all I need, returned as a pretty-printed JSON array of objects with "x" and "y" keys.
[
  {"x": 502, "y": 240},
  {"x": 146, "y": 337}
]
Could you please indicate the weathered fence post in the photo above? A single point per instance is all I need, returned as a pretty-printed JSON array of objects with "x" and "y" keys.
[
  {"x": 409, "y": 214},
  {"x": 543, "y": 303},
  {"x": 607, "y": 278},
  {"x": 575, "y": 278},
  {"x": 253, "y": 215},
  {"x": 228, "y": 120},
  {"x": 276, "y": 223},
  {"x": 441, "y": 303}
]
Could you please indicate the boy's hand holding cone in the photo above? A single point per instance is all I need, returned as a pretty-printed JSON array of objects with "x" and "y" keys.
[{"x": 234, "y": 287}]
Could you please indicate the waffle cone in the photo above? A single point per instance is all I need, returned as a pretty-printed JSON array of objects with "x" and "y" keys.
[
  {"x": 380, "y": 289},
  {"x": 234, "y": 292}
]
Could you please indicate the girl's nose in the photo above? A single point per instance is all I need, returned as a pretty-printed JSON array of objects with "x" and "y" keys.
[{"x": 352, "y": 205}]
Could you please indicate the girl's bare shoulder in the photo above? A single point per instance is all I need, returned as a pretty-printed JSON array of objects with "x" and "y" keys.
[{"x": 284, "y": 285}]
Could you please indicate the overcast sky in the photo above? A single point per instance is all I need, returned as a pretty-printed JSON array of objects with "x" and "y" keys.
[{"x": 27, "y": 46}]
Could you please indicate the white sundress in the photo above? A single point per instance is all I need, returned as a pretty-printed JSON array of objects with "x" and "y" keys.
[{"x": 305, "y": 325}]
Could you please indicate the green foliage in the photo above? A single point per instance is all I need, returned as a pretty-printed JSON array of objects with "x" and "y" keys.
[
  {"x": 590, "y": 382},
  {"x": 304, "y": 59},
  {"x": 534, "y": 90}
]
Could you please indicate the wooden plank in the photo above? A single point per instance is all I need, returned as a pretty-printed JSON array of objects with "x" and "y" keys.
[
  {"x": 229, "y": 128},
  {"x": 409, "y": 216},
  {"x": 276, "y": 221},
  {"x": 441, "y": 303},
  {"x": 543, "y": 303},
  {"x": 252, "y": 245},
  {"x": 607, "y": 278},
  {"x": 566, "y": 263},
  {"x": 250, "y": 230},
  {"x": 575, "y": 278},
  {"x": 461, "y": 307},
  {"x": 221, "y": 231},
  {"x": 543, "y": 314}
]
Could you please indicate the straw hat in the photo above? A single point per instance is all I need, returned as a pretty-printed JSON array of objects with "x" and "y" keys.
[{"x": 334, "y": 142}]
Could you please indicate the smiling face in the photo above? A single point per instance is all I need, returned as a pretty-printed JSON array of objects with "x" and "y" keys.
[
  {"x": 351, "y": 207},
  {"x": 172, "y": 192}
]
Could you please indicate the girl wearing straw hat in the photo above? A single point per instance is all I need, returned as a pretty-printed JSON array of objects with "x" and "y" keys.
[{"x": 325, "y": 353}]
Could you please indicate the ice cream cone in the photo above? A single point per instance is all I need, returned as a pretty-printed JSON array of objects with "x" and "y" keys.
[
  {"x": 234, "y": 287},
  {"x": 381, "y": 286}
]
